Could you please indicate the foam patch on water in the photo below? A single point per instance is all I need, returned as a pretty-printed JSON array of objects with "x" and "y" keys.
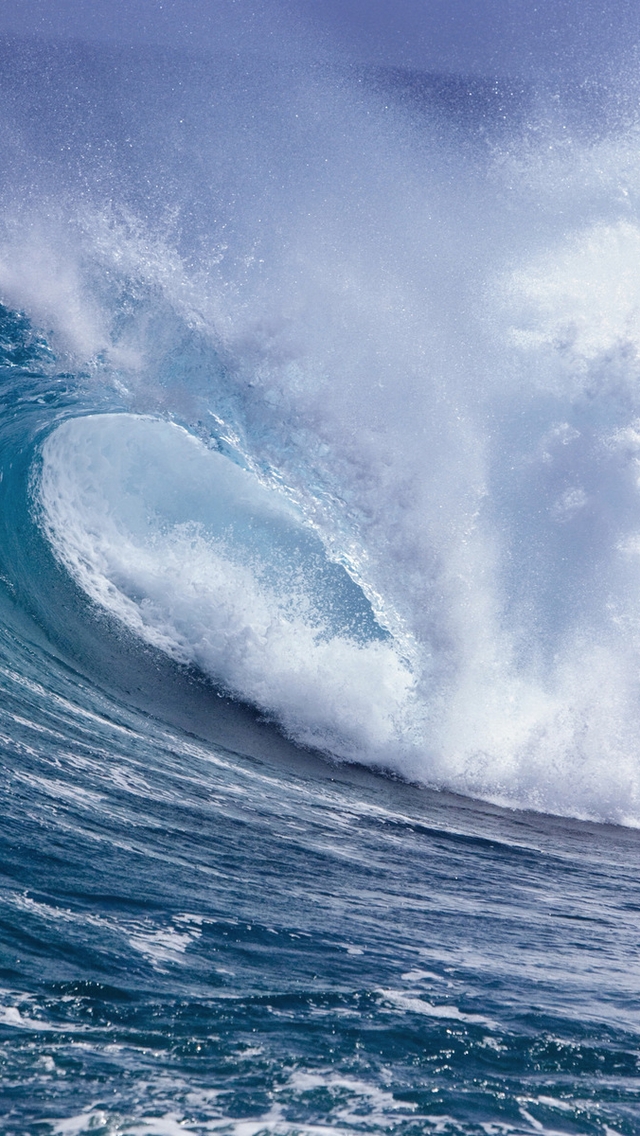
[
  {"x": 355, "y": 1106},
  {"x": 412, "y": 1005}
]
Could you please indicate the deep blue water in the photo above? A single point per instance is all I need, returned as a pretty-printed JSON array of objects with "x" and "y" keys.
[{"x": 319, "y": 646}]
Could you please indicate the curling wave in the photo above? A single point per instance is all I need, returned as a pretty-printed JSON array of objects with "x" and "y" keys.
[{"x": 198, "y": 558}]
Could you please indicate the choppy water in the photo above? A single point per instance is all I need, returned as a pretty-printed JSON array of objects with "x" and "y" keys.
[{"x": 318, "y": 586}]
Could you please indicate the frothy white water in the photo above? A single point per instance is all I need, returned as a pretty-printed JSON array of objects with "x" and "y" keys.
[{"x": 199, "y": 559}]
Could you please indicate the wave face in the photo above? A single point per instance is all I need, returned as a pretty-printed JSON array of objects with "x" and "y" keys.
[{"x": 320, "y": 459}]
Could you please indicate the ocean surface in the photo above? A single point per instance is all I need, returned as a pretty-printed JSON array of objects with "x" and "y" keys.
[{"x": 319, "y": 597}]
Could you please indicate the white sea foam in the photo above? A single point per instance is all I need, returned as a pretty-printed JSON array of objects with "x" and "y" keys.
[
  {"x": 410, "y": 1004},
  {"x": 207, "y": 593},
  {"x": 154, "y": 526}
]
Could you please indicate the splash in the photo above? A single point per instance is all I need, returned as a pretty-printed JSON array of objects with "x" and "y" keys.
[{"x": 200, "y": 560}]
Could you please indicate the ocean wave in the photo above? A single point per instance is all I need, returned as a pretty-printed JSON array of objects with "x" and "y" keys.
[{"x": 410, "y": 336}]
